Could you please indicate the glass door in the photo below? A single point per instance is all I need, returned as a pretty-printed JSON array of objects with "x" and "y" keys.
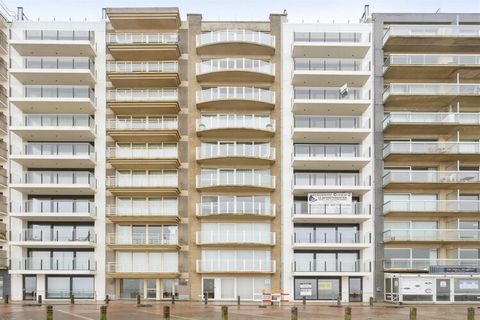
[
  {"x": 227, "y": 288},
  {"x": 209, "y": 288},
  {"x": 355, "y": 289},
  {"x": 29, "y": 288},
  {"x": 151, "y": 288}
]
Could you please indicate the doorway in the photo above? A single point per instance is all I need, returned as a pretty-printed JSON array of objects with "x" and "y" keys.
[
  {"x": 355, "y": 289},
  {"x": 209, "y": 288},
  {"x": 29, "y": 288}
]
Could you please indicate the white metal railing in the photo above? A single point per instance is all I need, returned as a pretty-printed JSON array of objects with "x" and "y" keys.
[
  {"x": 160, "y": 123},
  {"x": 332, "y": 37},
  {"x": 55, "y": 149},
  {"x": 235, "y": 36},
  {"x": 314, "y": 151},
  {"x": 142, "y": 153},
  {"x": 468, "y": 118},
  {"x": 56, "y": 92},
  {"x": 302, "y": 208},
  {"x": 166, "y": 267},
  {"x": 207, "y": 151},
  {"x": 236, "y": 93},
  {"x": 236, "y": 265},
  {"x": 323, "y": 179},
  {"x": 235, "y": 64},
  {"x": 147, "y": 66},
  {"x": 60, "y": 178},
  {"x": 54, "y": 63},
  {"x": 235, "y": 207},
  {"x": 222, "y": 121},
  {"x": 239, "y": 237},
  {"x": 56, "y": 207},
  {"x": 137, "y": 95},
  {"x": 236, "y": 179},
  {"x": 432, "y": 59},
  {"x": 54, "y": 120},
  {"x": 433, "y": 89},
  {"x": 449, "y": 147},
  {"x": 334, "y": 237},
  {"x": 330, "y": 64},
  {"x": 321, "y": 265},
  {"x": 431, "y": 235},
  {"x": 142, "y": 239},
  {"x": 141, "y": 181},
  {"x": 431, "y": 31},
  {"x": 141, "y": 38},
  {"x": 330, "y": 122},
  {"x": 54, "y": 264},
  {"x": 141, "y": 210},
  {"x": 38, "y": 235},
  {"x": 426, "y": 176},
  {"x": 425, "y": 264},
  {"x": 58, "y": 35},
  {"x": 330, "y": 93},
  {"x": 432, "y": 206}
]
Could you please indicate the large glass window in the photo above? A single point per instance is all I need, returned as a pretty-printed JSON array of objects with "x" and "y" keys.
[
  {"x": 130, "y": 288},
  {"x": 62, "y": 287}
]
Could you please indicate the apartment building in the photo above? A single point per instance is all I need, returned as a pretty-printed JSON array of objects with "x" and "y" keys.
[
  {"x": 327, "y": 169},
  {"x": 428, "y": 146},
  {"x": 234, "y": 123},
  {"x": 56, "y": 151}
]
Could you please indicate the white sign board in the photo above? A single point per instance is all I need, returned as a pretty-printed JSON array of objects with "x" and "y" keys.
[
  {"x": 330, "y": 198},
  {"x": 305, "y": 289},
  {"x": 416, "y": 286}
]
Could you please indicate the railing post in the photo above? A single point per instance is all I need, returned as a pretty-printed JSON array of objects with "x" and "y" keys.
[
  {"x": 138, "y": 299},
  {"x": 304, "y": 300},
  {"x": 238, "y": 300},
  {"x": 173, "y": 299},
  {"x": 40, "y": 299},
  {"x": 224, "y": 313},
  {"x": 6, "y": 299},
  {"x": 294, "y": 313},
  {"x": 205, "y": 298},
  {"x": 166, "y": 313},
  {"x": 72, "y": 299},
  {"x": 471, "y": 313},
  {"x": 348, "y": 313},
  {"x": 49, "y": 313},
  {"x": 413, "y": 313},
  {"x": 371, "y": 301},
  {"x": 103, "y": 312},
  {"x": 107, "y": 299}
]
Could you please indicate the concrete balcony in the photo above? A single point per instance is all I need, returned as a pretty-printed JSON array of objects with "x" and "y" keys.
[
  {"x": 431, "y": 180},
  {"x": 144, "y": 18},
  {"x": 235, "y": 70},
  {"x": 147, "y": 101},
  {"x": 3, "y": 97},
  {"x": 54, "y": 183},
  {"x": 236, "y": 42},
  {"x": 232, "y": 154},
  {"x": 436, "y": 207},
  {"x": 241, "y": 182},
  {"x": 431, "y": 38},
  {"x": 237, "y": 126},
  {"x": 330, "y": 101},
  {"x": 42, "y": 43},
  {"x": 149, "y": 271},
  {"x": 54, "y": 127},
  {"x": 330, "y": 72},
  {"x": 431, "y": 95},
  {"x": 431, "y": 235},
  {"x": 342, "y": 44},
  {"x": 3, "y": 178},
  {"x": 424, "y": 265},
  {"x": 143, "y": 242},
  {"x": 239, "y": 238},
  {"x": 437, "y": 123},
  {"x": 334, "y": 240},
  {"x": 32, "y": 238},
  {"x": 349, "y": 213},
  {"x": 235, "y": 209},
  {"x": 335, "y": 267},
  {"x": 4, "y": 209},
  {"x": 431, "y": 151},
  {"x": 164, "y": 184},
  {"x": 51, "y": 210},
  {"x": 142, "y": 213},
  {"x": 52, "y": 266},
  {"x": 238, "y": 266},
  {"x": 146, "y": 129},
  {"x": 53, "y": 70},
  {"x": 420, "y": 67},
  {"x": 52, "y": 99},
  {"x": 3, "y": 151},
  {"x": 132, "y": 74},
  {"x": 143, "y": 46},
  {"x": 329, "y": 157},
  {"x": 306, "y": 182},
  {"x": 58, "y": 155},
  {"x": 235, "y": 98},
  {"x": 143, "y": 158}
]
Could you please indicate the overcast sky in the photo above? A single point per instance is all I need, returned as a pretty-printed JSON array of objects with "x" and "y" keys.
[{"x": 326, "y": 11}]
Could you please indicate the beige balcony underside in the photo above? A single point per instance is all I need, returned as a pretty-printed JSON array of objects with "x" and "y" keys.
[
  {"x": 143, "y": 19},
  {"x": 236, "y": 48},
  {"x": 421, "y": 73},
  {"x": 145, "y": 247},
  {"x": 144, "y": 163},
  {"x": 432, "y": 186},
  {"x": 55, "y": 105},
  {"x": 232, "y": 188},
  {"x": 144, "y": 135},
  {"x": 144, "y": 52},
  {"x": 144, "y": 191},
  {"x": 235, "y": 133},
  {"x": 54, "y": 161},
  {"x": 51, "y": 48},
  {"x": 451, "y": 44},
  {"x": 235, "y": 161},
  {"x": 435, "y": 129},
  {"x": 144, "y": 79},
  {"x": 142, "y": 275},
  {"x": 54, "y": 189},
  {"x": 143, "y": 218},
  {"x": 330, "y": 107},
  {"x": 431, "y": 101},
  {"x": 235, "y": 105},
  {"x": 154, "y": 108},
  {"x": 431, "y": 157},
  {"x": 236, "y": 77},
  {"x": 54, "y": 77},
  {"x": 54, "y": 133}
]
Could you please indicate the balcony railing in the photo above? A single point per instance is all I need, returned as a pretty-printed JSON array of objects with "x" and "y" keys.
[
  {"x": 236, "y": 179},
  {"x": 425, "y": 264},
  {"x": 36, "y": 235},
  {"x": 332, "y": 37},
  {"x": 132, "y": 95},
  {"x": 53, "y": 264},
  {"x": 247, "y": 121},
  {"x": 166, "y": 267},
  {"x": 467, "y": 118},
  {"x": 321, "y": 265},
  {"x": 432, "y": 206},
  {"x": 55, "y": 92},
  {"x": 235, "y": 64},
  {"x": 238, "y": 237},
  {"x": 235, "y": 36},
  {"x": 328, "y": 179},
  {"x": 235, "y": 265},
  {"x": 236, "y": 93},
  {"x": 54, "y": 120},
  {"x": 55, "y": 149},
  {"x": 59, "y": 35},
  {"x": 426, "y": 176},
  {"x": 432, "y": 59},
  {"x": 141, "y": 38},
  {"x": 207, "y": 151},
  {"x": 142, "y": 239},
  {"x": 432, "y": 89},
  {"x": 161, "y": 123},
  {"x": 134, "y": 67},
  {"x": 431, "y": 235},
  {"x": 59, "y": 207},
  {"x": 431, "y": 31},
  {"x": 143, "y": 181},
  {"x": 329, "y": 122},
  {"x": 330, "y": 237},
  {"x": 55, "y": 178},
  {"x": 330, "y": 93},
  {"x": 235, "y": 207},
  {"x": 142, "y": 153},
  {"x": 316, "y": 151},
  {"x": 54, "y": 63},
  {"x": 304, "y": 209},
  {"x": 448, "y": 147},
  {"x": 330, "y": 64},
  {"x": 141, "y": 210}
]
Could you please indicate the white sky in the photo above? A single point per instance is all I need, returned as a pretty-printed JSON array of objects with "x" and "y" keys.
[{"x": 324, "y": 11}]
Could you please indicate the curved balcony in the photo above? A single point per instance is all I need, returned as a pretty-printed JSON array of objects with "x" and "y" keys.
[
  {"x": 304, "y": 213},
  {"x": 259, "y": 238},
  {"x": 235, "y": 266},
  {"x": 223, "y": 154},
  {"x": 54, "y": 182},
  {"x": 407, "y": 67},
  {"x": 425, "y": 264},
  {"x": 142, "y": 241},
  {"x": 329, "y": 157},
  {"x": 235, "y": 70},
  {"x": 132, "y": 74},
  {"x": 332, "y": 240},
  {"x": 424, "y": 179},
  {"x": 431, "y": 151},
  {"x": 53, "y": 266},
  {"x": 236, "y": 42},
  {"x": 143, "y": 157},
  {"x": 235, "y": 126},
  {"x": 236, "y": 209},
  {"x": 236, "y": 98},
  {"x": 147, "y": 101},
  {"x": 431, "y": 235},
  {"x": 143, "y": 46},
  {"x": 142, "y": 213},
  {"x": 33, "y": 238},
  {"x": 239, "y": 181},
  {"x": 433, "y": 207},
  {"x": 165, "y": 184},
  {"x": 50, "y": 210},
  {"x": 146, "y": 129}
]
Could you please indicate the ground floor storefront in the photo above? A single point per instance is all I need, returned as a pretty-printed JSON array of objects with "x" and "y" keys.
[
  {"x": 229, "y": 288},
  {"x": 329, "y": 288},
  {"x": 153, "y": 289},
  {"x": 58, "y": 287}
]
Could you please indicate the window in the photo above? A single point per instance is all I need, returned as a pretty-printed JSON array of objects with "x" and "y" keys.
[{"x": 62, "y": 287}]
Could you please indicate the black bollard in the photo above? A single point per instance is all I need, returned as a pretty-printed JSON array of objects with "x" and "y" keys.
[
  {"x": 205, "y": 297},
  {"x": 6, "y": 299},
  {"x": 470, "y": 314},
  {"x": 224, "y": 313},
  {"x": 107, "y": 299},
  {"x": 72, "y": 299},
  {"x": 173, "y": 299},
  {"x": 238, "y": 300},
  {"x": 338, "y": 301},
  {"x": 49, "y": 313},
  {"x": 39, "y": 299},
  {"x": 166, "y": 313},
  {"x": 138, "y": 299},
  {"x": 371, "y": 301},
  {"x": 294, "y": 313},
  {"x": 304, "y": 300},
  {"x": 348, "y": 313},
  {"x": 103, "y": 312}
]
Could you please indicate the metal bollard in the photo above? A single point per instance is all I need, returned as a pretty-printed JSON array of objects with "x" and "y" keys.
[
  {"x": 166, "y": 313},
  {"x": 294, "y": 313},
  {"x": 371, "y": 301},
  {"x": 471, "y": 314},
  {"x": 173, "y": 299},
  {"x": 72, "y": 299},
  {"x": 348, "y": 313},
  {"x": 39, "y": 299},
  {"x": 49, "y": 312},
  {"x": 224, "y": 313},
  {"x": 338, "y": 301},
  {"x": 6, "y": 299},
  {"x": 138, "y": 299},
  {"x": 413, "y": 313},
  {"x": 304, "y": 300},
  {"x": 103, "y": 312},
  {"x": 205, "y": 297},
  {"x": 107, "y": 299},
  {"x": 238, "y": 300}
]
